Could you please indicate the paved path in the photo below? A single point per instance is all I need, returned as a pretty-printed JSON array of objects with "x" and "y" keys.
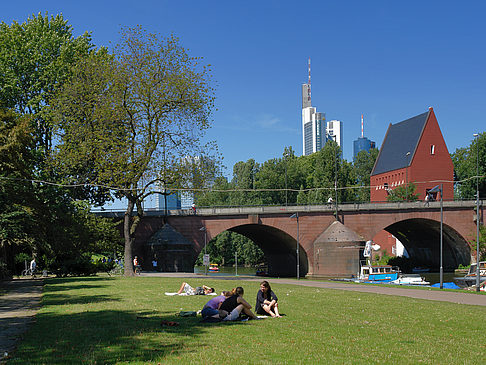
[
  {"x": 17, "y": 310},
  {"x": 431, "y": 294}
]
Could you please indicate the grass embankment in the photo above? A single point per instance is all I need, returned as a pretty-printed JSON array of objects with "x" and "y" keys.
[{"x": 103, "y": 320}]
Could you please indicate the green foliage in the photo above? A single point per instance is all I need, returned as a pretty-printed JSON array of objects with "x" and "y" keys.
[
  {"x": 223, "y": 247},
  {"x": 403, "y": 193},
  {"x": 308, "y": 180},
  {"x": 466, "y": 167},
  {"x": 36, "y": 57},
  {"x": 363, "y": 165},
  {"x": 130, "y": 120}
]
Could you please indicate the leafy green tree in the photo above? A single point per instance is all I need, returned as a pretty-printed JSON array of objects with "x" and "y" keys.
[
  {"x": 403, "y": 193},
  {"x": 36, "y": 57},
  {"x": 466, "y": 165},
  {"x": 363, "y": 165},
  {"x": 133, "y": 118}
]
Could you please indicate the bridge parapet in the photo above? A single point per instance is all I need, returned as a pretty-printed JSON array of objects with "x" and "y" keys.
[{"x": 352, "y": 207}]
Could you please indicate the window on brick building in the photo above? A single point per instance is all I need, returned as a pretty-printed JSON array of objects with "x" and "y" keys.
[{"x": 432, "y": 149}]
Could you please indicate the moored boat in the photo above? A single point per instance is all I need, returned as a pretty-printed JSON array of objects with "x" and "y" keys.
[
  {"x": 410, "y": 279},
  {"x": 470, "y": 278},
  {"x": 378, "y": 274}
]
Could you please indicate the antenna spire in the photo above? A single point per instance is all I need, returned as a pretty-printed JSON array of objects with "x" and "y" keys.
[
  {"x": 309, "y": 83},
  {"x": 309, "y": 73},
  {"x": 362, "y": 126}
]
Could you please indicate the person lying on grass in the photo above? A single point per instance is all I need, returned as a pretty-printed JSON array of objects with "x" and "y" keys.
[
  {"x": 232, "y": 307},
  {"x": 266, "y": 302},
  {"x": 199, "y": 290},
  {"x": 211, "y": 308}
]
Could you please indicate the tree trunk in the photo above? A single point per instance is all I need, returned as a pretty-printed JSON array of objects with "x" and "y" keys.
[{"x": 129, "y": 239}]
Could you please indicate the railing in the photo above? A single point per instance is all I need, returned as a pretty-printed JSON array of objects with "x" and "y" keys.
[{"x": 261, "y": 209}]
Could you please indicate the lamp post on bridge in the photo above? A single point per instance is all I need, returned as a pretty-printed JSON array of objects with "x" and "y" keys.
[
  {"x": 296, "y": 215},
  {"x": 478, "y": 271},
  {"x": 435, "y": 189},
  {"x": 406, "y": 176}
]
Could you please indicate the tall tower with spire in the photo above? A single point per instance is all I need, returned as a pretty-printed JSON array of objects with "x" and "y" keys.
[
  {"x": 313, "y": 129},
  {"x": 362, "y": 143}
]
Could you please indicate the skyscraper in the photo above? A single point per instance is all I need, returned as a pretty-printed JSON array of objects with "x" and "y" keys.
[
  {"x": 334, "y": 131},
  {"x": 362, "y": 143},
  {"x": 313, "y": 132}
]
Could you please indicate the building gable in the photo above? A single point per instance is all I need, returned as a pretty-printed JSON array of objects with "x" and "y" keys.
[{"x": 400, "y": 139}]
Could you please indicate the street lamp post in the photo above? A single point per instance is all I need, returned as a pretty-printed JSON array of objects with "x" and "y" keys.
[
  {"x": 437, "y": 189},
  {"x": 441, "y": 238},
  {"x": 478, "y": 272},
  {"x": 406, "y": 176},
  {"x": 205, "y": 241},
  {"x": 296, "y": 215},
  {"x": 285, "y": 156},
  {"x": 335, "y": 175}
]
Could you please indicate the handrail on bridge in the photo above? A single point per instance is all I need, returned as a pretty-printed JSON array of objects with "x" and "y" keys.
[{"x": 260, "y": 209}]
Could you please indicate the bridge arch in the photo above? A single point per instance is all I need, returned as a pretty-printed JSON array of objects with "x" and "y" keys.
[
  {"x": 421, "y": 238},
  {"x": 279, "y": 247}
]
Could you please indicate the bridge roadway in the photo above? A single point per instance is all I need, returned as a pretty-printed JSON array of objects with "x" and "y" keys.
[{"x": 326, "y": 247}]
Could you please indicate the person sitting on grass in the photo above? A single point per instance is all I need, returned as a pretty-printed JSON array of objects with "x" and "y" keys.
[
  {"x": 232, "y": 307},
  {"x": 211, "y": 308},
  {"x": 266, "y": 302},
  {"x": 199, "y": 290}
]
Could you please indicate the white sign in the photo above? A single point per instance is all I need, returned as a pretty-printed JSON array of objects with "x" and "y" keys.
[{"x": 206, "y": 259}]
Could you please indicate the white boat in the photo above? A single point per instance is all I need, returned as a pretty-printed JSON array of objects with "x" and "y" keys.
[
  {"x": 470, "y": 278},
  {"x": 410, "y": 279},
  {"x": 378, "y": 274}
]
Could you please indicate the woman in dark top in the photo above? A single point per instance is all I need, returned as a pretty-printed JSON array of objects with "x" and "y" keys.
[
  {"x": 266, "y": 302},
  {"x": 234, "y": 305}
]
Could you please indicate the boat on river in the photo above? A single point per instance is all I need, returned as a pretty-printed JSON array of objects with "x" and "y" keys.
[
  {"x": 378, "y": 274},
  {"x": 470, "y": 278},
  {"x": 386, "y": 274},
  {"x": 410, "y": 279}
]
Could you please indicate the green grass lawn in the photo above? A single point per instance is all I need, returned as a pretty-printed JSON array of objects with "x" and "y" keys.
[{"x": 101, "y": 320}]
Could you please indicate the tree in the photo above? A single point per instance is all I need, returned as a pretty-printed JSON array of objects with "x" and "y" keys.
[
  {"x": 363, "y": 165},
  {"x": 36, "y": 57},
  {"x": 133, "y": 118},
  {"x": 465, "y": 162},
  {"x": 403, "y": 193}
]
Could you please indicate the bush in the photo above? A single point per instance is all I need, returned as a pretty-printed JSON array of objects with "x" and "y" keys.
[{"x": 77, "y": 266}]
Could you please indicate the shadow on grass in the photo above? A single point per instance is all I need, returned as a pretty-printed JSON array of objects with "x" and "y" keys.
[{"x": 111, "y": 336}]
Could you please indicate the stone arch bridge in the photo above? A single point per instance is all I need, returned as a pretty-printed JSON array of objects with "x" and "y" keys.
[{"x": 326, "y": 247}]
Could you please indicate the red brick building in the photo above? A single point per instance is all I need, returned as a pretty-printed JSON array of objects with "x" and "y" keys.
[{"x": 413, "y": 150}]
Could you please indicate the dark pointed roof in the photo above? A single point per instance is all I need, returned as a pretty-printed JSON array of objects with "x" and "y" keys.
[
  {"x": 167, "y": 235},
  {"x": 400, "y": 139}
]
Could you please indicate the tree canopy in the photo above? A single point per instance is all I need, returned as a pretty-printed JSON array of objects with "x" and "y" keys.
[
  {"x": 132, "y": 121},
  {"x": 466, "y": 166}
]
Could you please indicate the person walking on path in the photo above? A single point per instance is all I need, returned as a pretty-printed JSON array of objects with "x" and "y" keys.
[{"x": 33, "y": 266}]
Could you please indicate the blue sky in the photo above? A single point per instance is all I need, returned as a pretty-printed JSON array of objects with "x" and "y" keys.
[{"x": 389, "y": 60}]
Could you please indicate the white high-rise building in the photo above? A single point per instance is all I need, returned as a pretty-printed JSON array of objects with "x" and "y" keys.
[
  {"x": 334, "y": 131},
  {"x": 313, "y": 129}
]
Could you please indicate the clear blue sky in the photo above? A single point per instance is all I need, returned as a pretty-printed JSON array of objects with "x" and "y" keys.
[{"x": 389, "y": 60}]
